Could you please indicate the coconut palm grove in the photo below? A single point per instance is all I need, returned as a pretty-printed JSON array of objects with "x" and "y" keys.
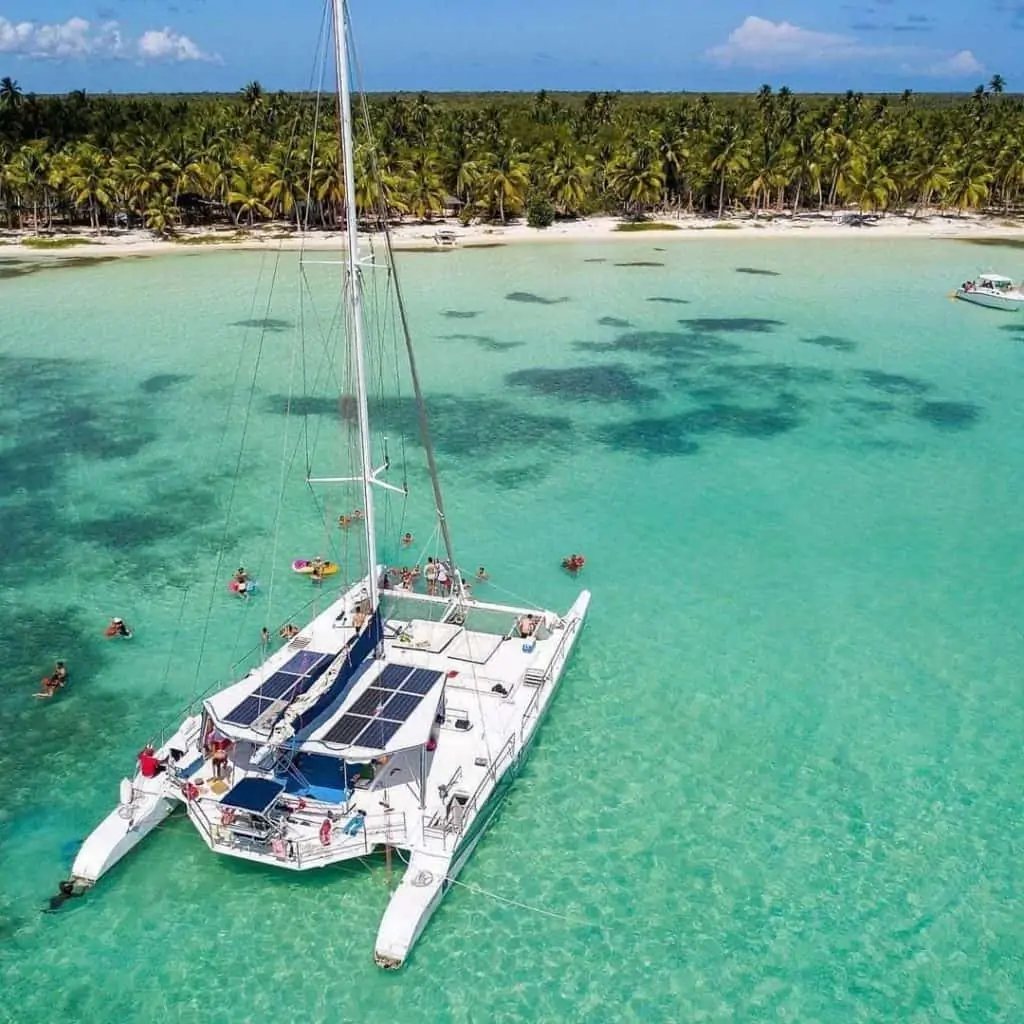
[{"x": 164, "y": 161}]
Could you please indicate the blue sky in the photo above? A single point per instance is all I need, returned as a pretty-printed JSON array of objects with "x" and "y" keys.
[{"x": 194, "y": 45}]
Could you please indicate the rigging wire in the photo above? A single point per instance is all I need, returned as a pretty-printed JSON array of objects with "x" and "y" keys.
[
  {"x": 204, "y": 636},
  {"x": 421, "y": 408}
]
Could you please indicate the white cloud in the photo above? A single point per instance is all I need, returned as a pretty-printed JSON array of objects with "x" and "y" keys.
[
  {"x": 77, "y": 39},
  {"x": 163, "y": 44},
  {"x": 779, "y": 45},
  {"x": 759, "y": 43},
  {"x": 961, "y": 65}
]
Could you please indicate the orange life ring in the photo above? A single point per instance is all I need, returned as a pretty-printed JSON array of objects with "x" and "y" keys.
[{"x": 325, "y": 832}]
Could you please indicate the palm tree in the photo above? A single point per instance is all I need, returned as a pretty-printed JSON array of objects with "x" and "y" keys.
[
  {"x": 637, "y": 179},
  {"x": 727, "y": 156},
  {"x": 10, "y": 92},
  {"x": 996, "y": 85},
  {"x": 89, "y": 181},
  {"x": 161, "y": 214},
  {"x": 506, "y": 179},
  {"x": 246, "y": 194}
]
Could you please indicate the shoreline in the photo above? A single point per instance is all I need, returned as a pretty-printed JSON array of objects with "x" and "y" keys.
[{"x": 419, "y": 237}]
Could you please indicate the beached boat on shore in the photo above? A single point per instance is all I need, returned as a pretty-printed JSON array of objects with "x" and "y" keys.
[{"x": 393, "y": 719}]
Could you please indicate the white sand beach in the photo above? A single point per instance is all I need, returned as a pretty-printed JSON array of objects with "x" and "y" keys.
[{"x": 421, "y": 235}]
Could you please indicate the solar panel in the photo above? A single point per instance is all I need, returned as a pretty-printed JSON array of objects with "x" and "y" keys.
[
  {"x": 420, "y": 681},
  {"x": 247, "y": 712},
  {"x": 377, "y": 733},
  {"x": 346, "y": 729},
  {"x": 304, "y": 662},
  {"x": 392, "y": 676},
  {"x": 370, "y": 701},
  {"x": 282, "y": 685},
  {"x": 276, "y": 686},
  {"x": 401, "y": 706}
]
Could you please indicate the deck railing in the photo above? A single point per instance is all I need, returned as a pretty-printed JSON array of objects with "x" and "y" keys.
[
  {"x": 387, "y": 828},
  {"x": 448, "y": 827},
  {"x": 557, "y": 660}
]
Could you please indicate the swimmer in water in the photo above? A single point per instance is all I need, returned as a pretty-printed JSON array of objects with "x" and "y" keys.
[
  {"x": 481, "y": 574},
  {"x": 407, "y": 540},
  {"x": 54, "y": 682},
  {"x": 66, "y": 891}
]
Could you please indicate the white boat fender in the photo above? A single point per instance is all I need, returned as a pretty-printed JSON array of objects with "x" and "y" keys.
[{"x": 127, "y": 793}]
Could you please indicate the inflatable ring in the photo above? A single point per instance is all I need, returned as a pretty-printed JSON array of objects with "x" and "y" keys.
[{"x": 304, "y": 566}]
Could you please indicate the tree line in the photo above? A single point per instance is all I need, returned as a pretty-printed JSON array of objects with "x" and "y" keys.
[{"x": 256, "y": 156}]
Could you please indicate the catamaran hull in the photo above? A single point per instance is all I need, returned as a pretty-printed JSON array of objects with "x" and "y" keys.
[
  {"x": 145, "y": 804},
  {"x": 117, "y": 835},
  {"x": 990, "y": 301},
  {"x": 414, "y": 902}
]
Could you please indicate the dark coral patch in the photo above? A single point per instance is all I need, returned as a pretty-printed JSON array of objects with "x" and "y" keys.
[
  {"x": 270, "y": 324},
  {"x": 460, "y": 314},
  {"x": 537, "y": 300},
  {"x": 485, "y": 341},
  {"x": 162, "y": 382},
  {"x": 614, "y": 321},
  {"x": 731, "y": 324},
  {"x": 830, "y": 341},
  {"x": 584, "y": 383},
  {"x": 948, "y": 415},
  {"x": 669, "y": 300},
  {"x": 672, "y": 346},
  {"x": 757, "y": 271},
  {"x": 894, "y": 383}
]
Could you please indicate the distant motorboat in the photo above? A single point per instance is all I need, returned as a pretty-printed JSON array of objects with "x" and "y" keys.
[{"x": 992, "y": 290}]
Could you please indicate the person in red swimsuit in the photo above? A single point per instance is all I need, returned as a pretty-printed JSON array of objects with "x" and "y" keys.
[{"x": 149, "y": 764}]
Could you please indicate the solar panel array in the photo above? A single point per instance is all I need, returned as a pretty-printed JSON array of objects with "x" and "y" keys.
[
  {"x": 382, "y": 710},
  {"x": 287, "y": 683}
]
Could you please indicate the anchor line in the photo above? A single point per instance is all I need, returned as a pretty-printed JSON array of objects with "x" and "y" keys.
[{"x": 517, "y": 903}]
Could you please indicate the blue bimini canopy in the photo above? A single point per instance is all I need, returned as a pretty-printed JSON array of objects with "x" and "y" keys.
[{"x": 254, "y": 795}]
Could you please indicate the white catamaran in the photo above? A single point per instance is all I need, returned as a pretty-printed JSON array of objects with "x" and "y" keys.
[{"x": 393, "y": 719}]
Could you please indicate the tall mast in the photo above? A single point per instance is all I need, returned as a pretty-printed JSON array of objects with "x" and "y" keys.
[{"x": 355, "y": 290}]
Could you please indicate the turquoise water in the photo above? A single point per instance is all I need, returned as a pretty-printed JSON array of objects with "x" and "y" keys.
[{"x": 782, "y": 780}]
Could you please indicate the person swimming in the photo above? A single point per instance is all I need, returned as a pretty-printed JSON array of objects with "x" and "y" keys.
[
  {"x": 407, "y": 540},
  {"x": 65, "y": 891},
  {"x": 51, "y": 684},
  {"x": 117, "y": 627},
  {"x": 481, "y": 574}
]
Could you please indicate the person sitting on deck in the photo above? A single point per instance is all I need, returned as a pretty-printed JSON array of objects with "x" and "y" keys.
[
  {"x": 149, "y": 764},
  {"x": 527, "y": 625},
  {"x": 288, "y": 631}
]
